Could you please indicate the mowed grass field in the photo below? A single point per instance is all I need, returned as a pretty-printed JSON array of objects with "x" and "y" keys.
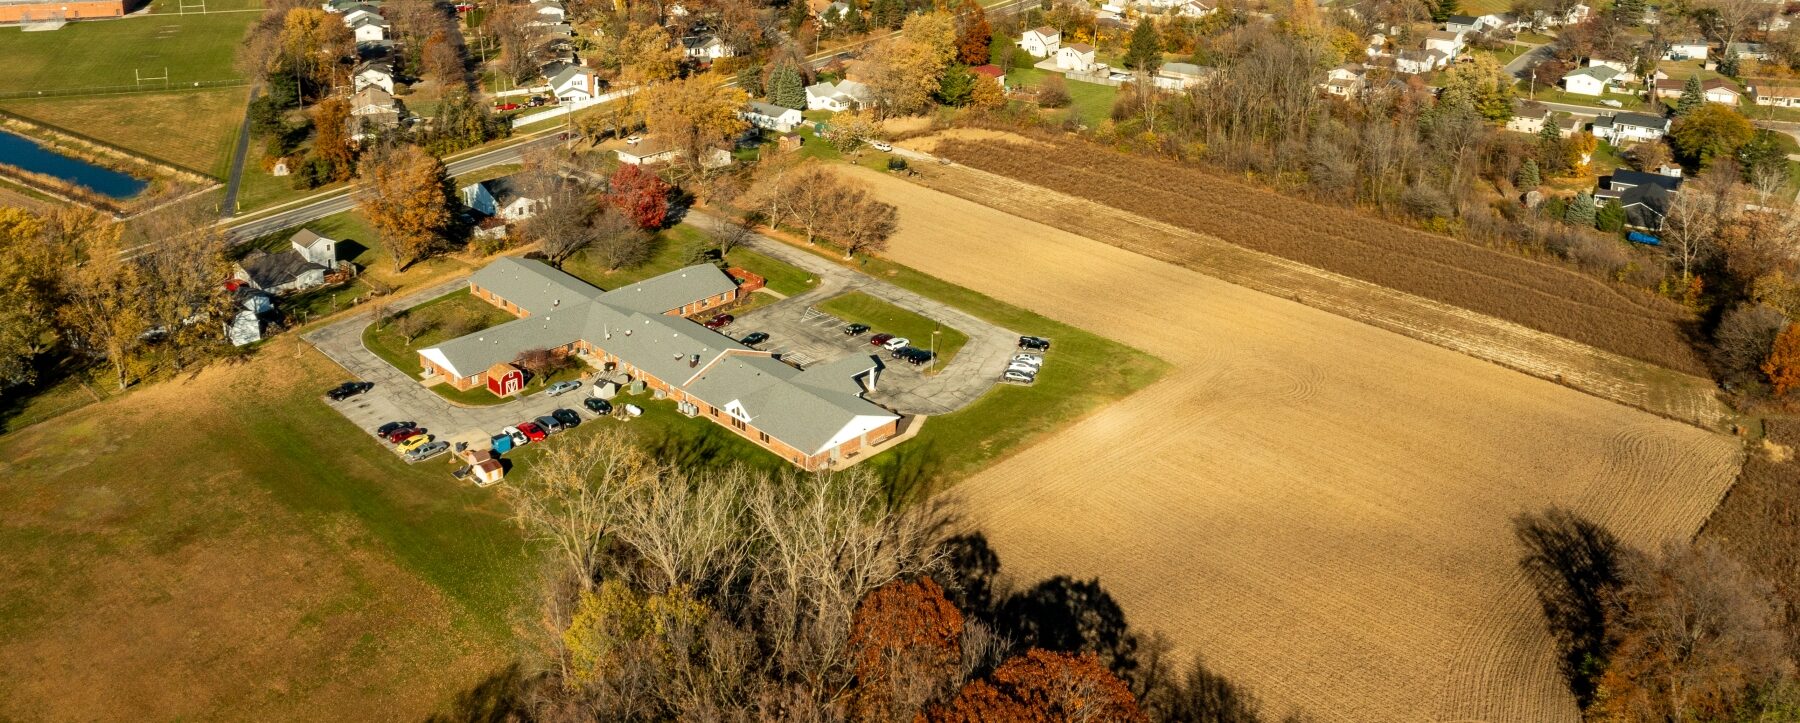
[
  {"x": 1318, "y": 506},
  {"x": 227, "y": 546},
  {"x": 191, "y": 129},
  {"x": 104, "y": 53}
]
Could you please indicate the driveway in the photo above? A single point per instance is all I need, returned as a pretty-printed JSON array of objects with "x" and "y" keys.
[
  {"x": 397, "y": 396},
  {"x": 810, "y": 338}
]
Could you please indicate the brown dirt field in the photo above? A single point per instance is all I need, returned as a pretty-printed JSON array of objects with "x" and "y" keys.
[
  {"x": 931, "y": 143},
  {"x": 1319, "y": 506},
  {"x": 145, "y": 574},
  {"x": 1537, "y": 294}
]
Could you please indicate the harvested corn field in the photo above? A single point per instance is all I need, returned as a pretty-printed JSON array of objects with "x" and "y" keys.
[
  {"x": 1319, "y": 506},
  {"x": 1539, "y": 295}
]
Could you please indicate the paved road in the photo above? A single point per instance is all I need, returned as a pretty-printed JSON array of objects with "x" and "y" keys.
[
  {"x": 974, "y": 370},
  {"x": 1520, "y": 65},
  {"x": 228, "y": 208}
]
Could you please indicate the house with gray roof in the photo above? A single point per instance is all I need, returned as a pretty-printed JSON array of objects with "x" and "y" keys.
[
  {"x": 811, "y": 417},
  {"x": 302, "y": 266}
]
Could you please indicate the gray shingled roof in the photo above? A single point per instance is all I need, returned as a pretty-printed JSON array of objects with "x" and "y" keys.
[
  {"x": 671, "y": 290},
  {"x": 532, "y": 285}
]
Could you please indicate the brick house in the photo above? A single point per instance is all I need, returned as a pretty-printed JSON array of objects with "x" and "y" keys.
[{"x": 811, "y": 417}]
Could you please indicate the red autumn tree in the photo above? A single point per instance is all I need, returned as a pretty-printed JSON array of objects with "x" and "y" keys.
[
  {"x": 1043, "y": 687},
  {"x": 972, "y": 34},
  {"x": 1783, "y": 362},
  {"x": 906, "y": 644},
  {"x": 639, "y": 194}
]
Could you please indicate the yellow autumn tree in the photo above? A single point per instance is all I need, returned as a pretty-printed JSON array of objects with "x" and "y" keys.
[
  {"x": 694, "y": 114},
  {"x": 615, "y": 626},
  {"x": 407, "y": 196}
]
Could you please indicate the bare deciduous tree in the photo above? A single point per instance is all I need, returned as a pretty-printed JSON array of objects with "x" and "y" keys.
[
  {"x": 570, "y": 499},
  {"x": 1690, "y": 226}
]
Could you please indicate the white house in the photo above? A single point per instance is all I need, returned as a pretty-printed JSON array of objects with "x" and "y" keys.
[
  {"x": 1775, "y": 23},
  {"x": 1528, "y": 117},
  {"x": 1196, "y": 8},
  {"x": 1078, "y": 57},
  {"x": 550, "y": 11},
  {"x": 1777, "y": 93},
  {"x": 354, "y": 13},
  {"x": 246, "y": 326},
  {"x": 369, "y": 30},
  {"x": 1041, "y": 42},
  {"x": 1464, "y": 24},
  {"x": 301, "y": 267},
  {"x": 1693, "y": 49},
  {"x": 1626, "y": 128},
  {"x": 1377, "y": 47},
  {"x": 574, "y": 83},
  {"x": 771, "y": 117},
  {"x": 1622, "y": 68},
  {"x": 706, "y": 47},
  {"x": 373, "y": 107},
  {"x": 500, "y": 198},
  {"x": 1593, "y": 80},
  {"x": 1345, "y": 81},
  {"x": 374, "y": 73},
  {"x": 1444, "y": 41},
  {"x": 833, "y": 13},
  {"x": 846, "y": 95},
  {"x": 1177, "y": 76},
  {"x": 1420, "y": 61}
]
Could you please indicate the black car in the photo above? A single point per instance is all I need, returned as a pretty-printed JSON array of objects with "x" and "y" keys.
[
  {"x": 856, "y": 329},
  {"x": 349, "y": 389},
  {"x": 754, "y": 338},
  {"x": 1034, "y": 343},
  {"x": 568, "y": 417},
  {"x": 598, "y": 406},
  {"x": 391, "y": 427},
  {"x": 912, "y": 355}
]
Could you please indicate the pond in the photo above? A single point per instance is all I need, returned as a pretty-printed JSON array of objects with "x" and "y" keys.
[{"x": 17, "y": 150}]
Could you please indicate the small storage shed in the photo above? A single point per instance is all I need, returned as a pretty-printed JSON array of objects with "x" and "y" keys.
[
  {"x": 489, "y": 472},
  {"x": 505, "y": 380}
]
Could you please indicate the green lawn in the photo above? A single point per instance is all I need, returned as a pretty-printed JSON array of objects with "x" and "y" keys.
[
  {"x": 442, "y": 319},
  {"x": 1091, "y": 102},
  {"x": 887, "y": 318},
  {"x": 1524, "y": 89},
  {"x": 673, "y": 250},
  {"x": 783, "y": 278},
  {"x": 193, "y": 48}
]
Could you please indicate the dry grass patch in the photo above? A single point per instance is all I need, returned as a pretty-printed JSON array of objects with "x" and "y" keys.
[
  {"x": 933, "y": 142},
  {"x": 1319, "y": 506},
  {"x": 190, "y": 129},
  {"x": 1759, "y": 522}
]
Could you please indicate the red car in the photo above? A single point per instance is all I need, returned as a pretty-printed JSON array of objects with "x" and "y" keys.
[
  {"x": 879, "y": 339},
  {"x": 401, "y": 435},
  {"x": 533, "y": 432},
  {"x": 721, "y": 321},
  {"x": 506, "y": 106}
]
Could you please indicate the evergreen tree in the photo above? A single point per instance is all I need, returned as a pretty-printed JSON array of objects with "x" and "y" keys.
[
  {"x": 1529, "y": 177},
  {"x": 786, "y": 89},
  {"x": 749, "y": 79},
  {"x": 1728, "y": 65},
  {"x": 1691, "y": 96},
  {"x": 1629, "y": 12},
  {"x": 1443, "y": 9},
  {"x": 1145, "y": 51},
  {"x": 1581, "y": 211},
  {"x": 1610, "y": 217},
  {"x": 957, "y": 85}
]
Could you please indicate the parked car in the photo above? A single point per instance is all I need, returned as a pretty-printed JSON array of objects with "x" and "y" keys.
[
  {"x": 1022, "y": 369},
  {"x": 754, "y": 338},
  {"x": 349, "y": 389},
  {"x": 1034, "y": 343},
  {"x": 560, "y": 388},
  {"x": 506, "y": 106},
  {"x": 896, "y": 343},
  {"x": 385, "y": 430},
  {"x": 913, "y": 355},
  {"x": 428, "y": 451},
  {"x": 549, "y": 424},
  {"x": 533, "y": 432},
  {"x": 567, "y": 417},
  {"x": 1610, "y": 103},
  {"x": 598, "y": 406},
  {"x": 414, "y": 442},
  {"x": 880, "y": 339},
  {"x": 1015, "y": 376},
  {"x": 719, "y": 322},
  {"x": 882, "y": 146},
  {"x": 856, "y": 329},
  {"x": 633, "y": 139},
  {"x": 1032, "y": 359},
  {"x": 404, "y": 433},
  {"x": 519, "y": 439}
]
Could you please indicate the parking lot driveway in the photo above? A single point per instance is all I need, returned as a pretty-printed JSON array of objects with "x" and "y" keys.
[
  {"x": 398, "y": 397},
  {"x": 807, "y": 337}
]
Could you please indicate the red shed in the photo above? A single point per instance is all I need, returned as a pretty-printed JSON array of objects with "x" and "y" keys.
[{"x": 505, "y": 380}]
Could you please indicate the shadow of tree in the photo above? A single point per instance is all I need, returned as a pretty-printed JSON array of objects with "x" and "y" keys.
[
  {"x": 498, "y": 698},
  {"x": 1575, "y": 566}
]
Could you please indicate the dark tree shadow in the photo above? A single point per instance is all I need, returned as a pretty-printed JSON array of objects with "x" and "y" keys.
[
  {"x": 1574, "y": 565},
  {"x": 498, "y": 698},
  {"x": 912, "y": 475},
  {"x": 694, "y": 451},
  {"x": 1068, "y": 615},
  {"x": 971, "y": 569}
]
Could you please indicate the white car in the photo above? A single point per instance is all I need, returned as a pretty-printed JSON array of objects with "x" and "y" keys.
[
  {"x": 1016, "y": 376},
  {"x": 896, "y": 343},
  {"x": 1031, "y": 360},
  {"x": 519, "y": 439},
  {"x": 633, "y": 139},
  {"x": 1023, "y": 369},
  {"x": 1610, "y": 103},
  {"x": 882, "y": 146}
]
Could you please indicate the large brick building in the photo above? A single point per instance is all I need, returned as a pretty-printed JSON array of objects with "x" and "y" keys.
[
  {"x": 16, "y": 11},
  {"x": 809, "y": 417}
]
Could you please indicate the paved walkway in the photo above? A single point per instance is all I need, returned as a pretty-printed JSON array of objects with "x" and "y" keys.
[
  {"x": 974, "y": 369},
  {"x": 399, "y": 397},
  {"x": 228, "y": 207}
]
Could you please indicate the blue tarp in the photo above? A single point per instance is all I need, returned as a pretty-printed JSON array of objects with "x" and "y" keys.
[{"x": 1638, "y": 237}]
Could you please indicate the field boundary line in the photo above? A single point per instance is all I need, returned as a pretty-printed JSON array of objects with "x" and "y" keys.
[{"x": 1607, "y": 375}]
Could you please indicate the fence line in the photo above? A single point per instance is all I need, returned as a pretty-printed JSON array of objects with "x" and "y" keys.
[{"x": 121, "y": 89}]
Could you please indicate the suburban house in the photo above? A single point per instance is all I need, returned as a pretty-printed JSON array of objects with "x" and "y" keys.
[
  {"x": 1196, "y": 8},
  {"x": 1378, "y": 46},
  {"x": 1528, "y": 117},
  {"x": 1177, "y": 76},
  {"x": 652, "y": 150},
  {"x": 1415, "y": 62},
  {"x": 1644, "y": 196},
  {"x": 359, "y": 11},
  {"x": 1041, "y": 42},
  {"x": 1078, "y": 57},
  {"x": 550, "y": 11},
  {"x": 1778, "y": 93},
  {"x": 1568, "y": 126},
  {"x": 498, "y": 202},
  {"x": 1345, "y": 81},
  {"x": 992, "y": 72},
  {"x": 574, "y": 83},
  {"x": 810, "y": 417},
  {"x": 833, "y": 13},
  {"x": 1716, "y": 90},
  {"x": 1592, "y": 80},
  {"x": 376, "y": 73},
  {"x": 375, "y": 108},
  {"x": 706, "y": 47},
  {"x": 1626, "y": 128},
  {"x": 1464, "y": 24},
  {"x": 299, "y": 268},
  {"x": 771, "y": 117},
  {"x": 1749, "y": 51},
  {"x": 246, "y": 325},
  {"x": 1775, "y": 23},
  {"x": 1444, "y": 41},
  {"x": 846, "y": 95},
  {"x": 369, "y": 30},
  {"x": 560, "y": 30},
  {"x": 1625, "y": 75},
  {"x": 1693, "y": 49}
]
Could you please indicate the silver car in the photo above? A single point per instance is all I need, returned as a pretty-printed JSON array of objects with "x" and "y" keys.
[
  {"x": 560, "y": 388},
  {"x": 427, "y": 452},
  {"x": 1013, "y": 375}
]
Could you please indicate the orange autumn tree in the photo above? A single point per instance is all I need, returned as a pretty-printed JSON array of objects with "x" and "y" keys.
[
  {"x": 1783, "y": 363},
  {"x": 905, "y": 644},
  {"x": 1042, "y": 687},
  {"x": 407, "y": 198}
]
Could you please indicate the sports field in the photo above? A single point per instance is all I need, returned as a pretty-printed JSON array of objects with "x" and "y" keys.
[
  {"x": 1319, "y": 506},
  {"x": 194, "y": 48}
]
